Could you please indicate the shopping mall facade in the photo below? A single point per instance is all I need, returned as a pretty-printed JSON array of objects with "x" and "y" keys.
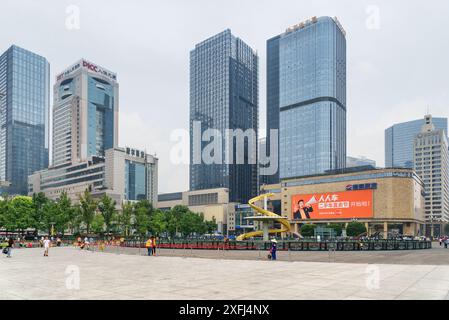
[{"x": 387, "y": 201}]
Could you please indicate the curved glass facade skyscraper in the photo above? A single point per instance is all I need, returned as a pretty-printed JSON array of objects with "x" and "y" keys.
[
  {"x": 306, "y": 89},
  {"x": 24, "y": 117}
]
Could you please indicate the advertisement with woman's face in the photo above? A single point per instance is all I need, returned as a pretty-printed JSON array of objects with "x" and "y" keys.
[{"x": 335, "y": 205}]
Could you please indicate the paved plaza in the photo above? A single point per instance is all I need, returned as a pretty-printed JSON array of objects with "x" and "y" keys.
[{"x": 70, "y": 273}]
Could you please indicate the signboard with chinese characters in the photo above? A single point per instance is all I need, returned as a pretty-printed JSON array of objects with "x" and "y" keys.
[
  {"x": 333, "y": 205},
  {"x": 91, "y": 67}
]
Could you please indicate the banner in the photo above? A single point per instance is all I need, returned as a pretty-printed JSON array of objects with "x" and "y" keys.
[{"x": 333, "y": 205}]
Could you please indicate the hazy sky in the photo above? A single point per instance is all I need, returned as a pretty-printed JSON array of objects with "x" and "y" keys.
[{"x": 397, "y": 58}]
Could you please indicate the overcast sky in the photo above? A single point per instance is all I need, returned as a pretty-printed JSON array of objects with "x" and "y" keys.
[{"x": 397, "y": 58}]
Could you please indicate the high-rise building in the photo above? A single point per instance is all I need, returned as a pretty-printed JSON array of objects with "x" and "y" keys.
[
  {"x": 359, "y": 162},
  {"x": 85, "y": 113},
  {"x": 24, "y": 116},
  {"x": 399, "y": 141},
  {"x": 223, "y": 96},
  {"x": 306, "y": 91},
  {"x": 430, "y": 161}
]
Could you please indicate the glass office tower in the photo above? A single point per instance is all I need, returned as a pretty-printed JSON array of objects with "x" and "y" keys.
[
  {"x": 399, "y": 141},
  {"x": 24, "y": 117},
  {"x": 85, "y": 113},
  {"x": 223, "y": 95},
  {"x": 306, "y": 89}
]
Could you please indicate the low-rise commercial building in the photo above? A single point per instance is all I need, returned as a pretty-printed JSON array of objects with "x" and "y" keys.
[
  {"x": 387, "y": 201},
  {"x": 125, "y": 174},
  {"x": 212, "y": 203}
]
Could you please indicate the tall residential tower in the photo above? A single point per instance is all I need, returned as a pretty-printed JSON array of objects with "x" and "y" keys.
[
  {"x": 24, "y": 117},
  {"x": 306, "y": 97},
  {"x": 223, "y": 95}
]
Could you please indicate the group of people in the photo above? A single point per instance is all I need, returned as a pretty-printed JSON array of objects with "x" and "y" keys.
[
  {"x": 84, "y": 244},
  {"x": 45, "y": 243},
  {"x": 151, "y": 246},
  {"x": 444, "y": 240}
]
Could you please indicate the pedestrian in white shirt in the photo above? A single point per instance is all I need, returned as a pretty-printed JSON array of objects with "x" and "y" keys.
[{"x": 47, "y": 244}]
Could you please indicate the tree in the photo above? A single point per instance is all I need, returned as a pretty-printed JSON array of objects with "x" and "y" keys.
[
  {"x": 141, "y": 220},
  {"x": 3, "y": 210},
  {"x": 308, "y": 230},
  {"x": 191, "y": 223},
  {"x": 87, "y": 209},
  {"x": 125, "y": 218},
  {"x": 174, "y": 219},
  {"x": 39, "y": 201},
  {"x": 19, "y": 213},
  {"x": 108, "y": 211},
  {"x": 98, "y": 224},
  {"x": 158, "y": 222},
  {"x": 66, "y": 217},
  {"x": 211, "y": 226},
  {"x": 50, "y": 216},
  {"x": 355, "y": 229}
]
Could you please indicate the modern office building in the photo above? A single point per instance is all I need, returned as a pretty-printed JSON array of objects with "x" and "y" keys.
[
  {"x": 132, "y": 173},
  {"x": 430, "y": 161},
  {"x": 125, "y": 174},
  {"x": 224, "y": 96},
  {"x": 352, "y": 162},
  {"x": 85, "y": 113},
  {"x": 24, "y": 117},
  {"x": 212, "y": 203},
  {"x": 399, "y": 141},
  {"x": 306, "y": 97},
  {"x": 389, "y": 202}
]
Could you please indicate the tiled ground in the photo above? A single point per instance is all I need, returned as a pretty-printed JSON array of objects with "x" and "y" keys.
[{"x": 29, "y": 275}]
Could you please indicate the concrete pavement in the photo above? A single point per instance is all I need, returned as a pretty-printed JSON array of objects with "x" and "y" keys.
[{"x": 70, "y": 273}]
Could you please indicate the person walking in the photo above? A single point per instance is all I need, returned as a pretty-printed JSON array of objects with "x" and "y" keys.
[
  {"x": 149, "y": 246},
  {"x": 153, "y": 245},
  {"x": 446, "y": 242},
  {"x": 9, "y": 247},
  {"x": 273, "y": 249},
  {"x": 47, "y": 243}
]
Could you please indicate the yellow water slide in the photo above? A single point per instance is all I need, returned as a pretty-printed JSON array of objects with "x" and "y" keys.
[{"x": 284, "y": 222}]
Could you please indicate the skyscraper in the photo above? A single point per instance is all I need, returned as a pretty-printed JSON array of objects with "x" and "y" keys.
[
  {"x": 85, "y": 113},
  {"x": 24, "y": 116},
  {"x": 430, "y": 161},
  {"x": 223, "y": 95},
  {"x": 399, "y": 141},
  {"x": 306, "y": 91}
]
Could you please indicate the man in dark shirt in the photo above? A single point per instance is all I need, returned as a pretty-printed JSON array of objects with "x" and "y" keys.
[
  {"x": 302, "y": 211},
  {"x": 9, "y": 247}
]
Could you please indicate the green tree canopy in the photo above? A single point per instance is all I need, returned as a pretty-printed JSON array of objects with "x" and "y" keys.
[
  {"x": 98, "y": 224},
  {"x": 87, "y": 209},
  {"x": 108, "y": 211},
  {"x": 355, "y": 229},
  {"x": 308, "y": 230}
]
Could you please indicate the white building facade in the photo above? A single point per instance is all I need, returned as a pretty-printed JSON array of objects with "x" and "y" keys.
[{"x": 431, "y": 160}]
